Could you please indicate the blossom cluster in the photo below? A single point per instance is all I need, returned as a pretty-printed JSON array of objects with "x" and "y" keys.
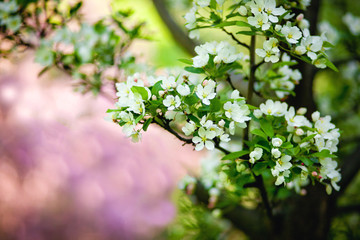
[
  {"x": 185, "y": 100},
  {"x": 264, "y": 15},
  {"x": 282, "y": 79},
  {"x": 80, "y": 47},
  {"x": 220, "y": 52},
  {"x": 296, "y": 147},
  {"x": 8, "y": 15}
]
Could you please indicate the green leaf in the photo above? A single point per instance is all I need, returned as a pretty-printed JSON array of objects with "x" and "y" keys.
[
  {"x": 138, "y": 119},
  {"x": 331, "y": 65},
  {"x": 194, "y": 119},
  {"x": 243, "y": 24},
  {"x": 213, "y": 4},
  {"x": 235, "y": 155},
  {"x": 215, "y": 105},
  {"x": 262, "y": 146},
  {"x": 194, "y": 70},
  {"x": 225, "y": 24},
  {"x": 287, "y": 145},
  {"x": 191, "y": 100},
  {"x": 112, "y": 110},
  {"x": 75, "y": 8},
  {"x": 45, "y": 69},
  {"x": 308, "y": 138},
  {"x": 156, "y": 88},
  {"x": 259, "y": 168},
  {"x": 251, "y": 107},
  {"x": 266, "y": 126},
  {"x": 324, "y": 154},
  {"x": 141, "y": 90},
  {"x": 249, "y": 33},
  {"x": 327, "y": 44},
  {"x": 293, "y": 151},
  {"x": 147, "y": 124},
  {"x": 259, "y": 133},
  {"x": 281, "y": 64},
  {"x": 186, "y": 61},
  {"x": 307, "y": 161}
]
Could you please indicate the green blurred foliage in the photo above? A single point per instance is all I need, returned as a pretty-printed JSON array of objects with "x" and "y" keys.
[{"x": 164, "y": 51}]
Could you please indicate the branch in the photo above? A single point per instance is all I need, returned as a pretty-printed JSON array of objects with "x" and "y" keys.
[
  {"x": 235, "y": 39},
  {"x": 252, "y": 222},
  {"x": 167, "y": 127},
  {"x": 177, "y": 33},
  {"x": 228, "y": 79},
  {"x": 260, "y": 185}
]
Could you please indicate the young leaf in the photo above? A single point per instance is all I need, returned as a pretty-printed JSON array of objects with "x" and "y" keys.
[
  {"x": 194, "y": 70},
  {"x": 186, "y": 61},
  {"x": 249, "y": 33},
  {"x": 144, "y": 94},
  {"x": 259, "y": 133},
  {"x": 307, "y": 161},
  {"x": 235, "y": 155},
  {"x": 215, "y": 105},
  {"x": 138, "y": 119},
  {"x": 308, "y": 138},
  {"x": 225, "y": 24},
  {"x": 324, "y": 154},
  {"x": 243, "y": 24},
  {"x": 266, "y": 126},
  {"x": 331, "y": 65},
  {"x": 327, "y": 44},
  {"x": 147, "y": 124}
]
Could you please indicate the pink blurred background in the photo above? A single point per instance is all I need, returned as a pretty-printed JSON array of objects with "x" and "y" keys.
[{"x": 66, "y": 173}]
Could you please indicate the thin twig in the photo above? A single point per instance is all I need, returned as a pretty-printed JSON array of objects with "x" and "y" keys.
[
  {"x": 235, "y": 39},
  {"x": 228, "y": 79}
]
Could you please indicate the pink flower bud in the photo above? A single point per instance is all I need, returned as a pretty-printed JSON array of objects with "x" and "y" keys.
[
  {"x": 190, "y": 188},
  {"x": 212, "y": 202},
  {"x": 205, "y": 82},
  {"x": 314, "y": 174},
  {"x": 300, "y": 17}
]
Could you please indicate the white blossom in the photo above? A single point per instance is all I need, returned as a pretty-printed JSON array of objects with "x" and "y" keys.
[
  {"x": 168, "y": 83},
  {"x": 270, "y": 51},
  {"x": 275, "y": 152},
  {"x": 292, "y": 34},
  {"x": 172, "y": 102},
  {"x": 206, "y": 93},
  {"x": 255, "y": 155},
  {"x": 271, "y": 9},
  {"x": 237, "y": 113},
  {"x": 204, "y": 139},
  {"x": 276, "y": 142},
  {"x": 260, "y": 20},
  {"x": 310, "y": 45},
  {"x": 189, "y": 128},
  {"x": 243, "y": 11},
  {"x": 183, "y": 89}
]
